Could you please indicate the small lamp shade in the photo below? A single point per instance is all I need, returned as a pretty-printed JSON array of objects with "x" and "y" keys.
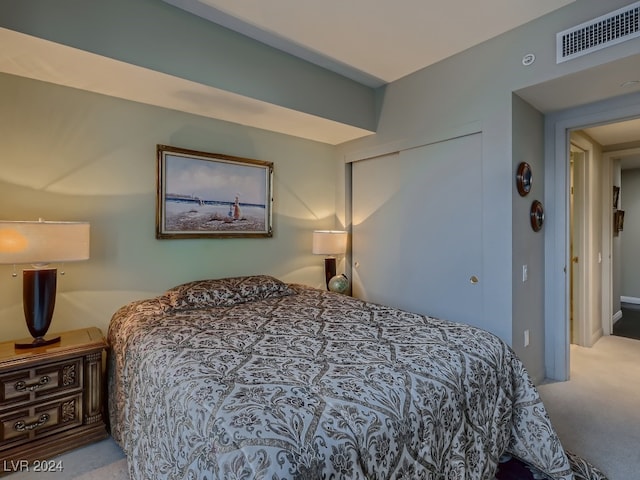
[
  {"x": 329, "y": 242},
  {"x": 40, "y": 243}
]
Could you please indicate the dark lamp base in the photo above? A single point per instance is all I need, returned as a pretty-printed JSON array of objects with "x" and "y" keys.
[
  {"x": 37, "y": 342},
  {"x": 329, "y": 269},
  {"x": 38, "y": 300}
]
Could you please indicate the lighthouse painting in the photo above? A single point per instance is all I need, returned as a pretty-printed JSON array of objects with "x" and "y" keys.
[{"x": 204, "y": 195}]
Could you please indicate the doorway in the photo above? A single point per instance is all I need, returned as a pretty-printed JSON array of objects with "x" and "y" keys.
[
  {"x": 596, "y": 160},
  {"x": 558, "y": 288}
]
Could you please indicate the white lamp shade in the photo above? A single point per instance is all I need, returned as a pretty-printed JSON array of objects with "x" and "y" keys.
[
  {"x": 41, "y": 242},
  {"x": 329, "y": 242}
]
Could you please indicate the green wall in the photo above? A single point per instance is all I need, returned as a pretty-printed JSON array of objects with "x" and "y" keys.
[
  {"x": 92, "y": 145},
  {"x": 159, "y": 37},
  {"x": 473, "y": 92},
  {"x": 73, "y": 155}
]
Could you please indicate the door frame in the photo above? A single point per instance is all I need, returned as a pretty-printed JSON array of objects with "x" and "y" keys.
[
  {"x": 592, "y": 251},
  {"x": 557, "y": 132},
  {"x": 607, "y": 244},
  {"x": 578, "y": 235}
]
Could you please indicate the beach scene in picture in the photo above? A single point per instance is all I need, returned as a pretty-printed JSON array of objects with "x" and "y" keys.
[{"x": 214, "y": 196}]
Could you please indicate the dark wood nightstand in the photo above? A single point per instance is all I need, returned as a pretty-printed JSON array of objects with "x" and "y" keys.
[{"x": 51, "y": 397}]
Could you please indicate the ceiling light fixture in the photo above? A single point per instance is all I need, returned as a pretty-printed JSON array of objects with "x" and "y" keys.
[{"x": 528, "y": 59}]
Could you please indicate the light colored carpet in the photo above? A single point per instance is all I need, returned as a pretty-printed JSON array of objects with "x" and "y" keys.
[
  {"x": 596, "y": 414},
  {"x": 113, "y": 471},
  {"x": 103, "y": 460}
]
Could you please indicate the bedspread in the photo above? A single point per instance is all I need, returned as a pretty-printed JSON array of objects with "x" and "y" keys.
[{"x": 308, "y": 384}]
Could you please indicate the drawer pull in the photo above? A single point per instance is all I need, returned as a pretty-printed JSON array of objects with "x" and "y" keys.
[
  {"x": 22, "y": 385},
  {"x": 22, "y": 426}
]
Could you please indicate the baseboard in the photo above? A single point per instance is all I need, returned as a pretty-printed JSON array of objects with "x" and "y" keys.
[
  {"x": 595, "y": 336},
  {"x": 617, "y": 316},
  {"x": 634, "y": 300}
]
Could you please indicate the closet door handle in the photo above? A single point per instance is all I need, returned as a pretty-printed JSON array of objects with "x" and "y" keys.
[{"x": 473, "y": 279}]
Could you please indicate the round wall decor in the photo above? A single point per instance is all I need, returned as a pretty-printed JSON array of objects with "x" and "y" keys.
[
  {"x": 537, "y": 215},
  {"x": 524, "y": 178}
]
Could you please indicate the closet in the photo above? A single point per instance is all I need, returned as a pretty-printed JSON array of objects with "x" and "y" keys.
[{"x": 417, "y": 229}]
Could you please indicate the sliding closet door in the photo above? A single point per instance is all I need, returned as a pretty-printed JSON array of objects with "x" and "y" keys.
[{"x": 417, "y": 229}]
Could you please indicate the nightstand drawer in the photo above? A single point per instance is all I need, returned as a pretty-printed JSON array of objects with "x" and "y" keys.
[
  {"x": 41, "y": 419},
  {"x": 34, "y": 383},
  {"x": 51, "y": 397}
]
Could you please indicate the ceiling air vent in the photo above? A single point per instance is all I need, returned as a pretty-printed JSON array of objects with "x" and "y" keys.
[{"x": 615, "y": 27}]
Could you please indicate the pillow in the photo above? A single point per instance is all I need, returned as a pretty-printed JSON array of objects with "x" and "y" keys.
[
  {"x": 225, "y": 292},
  {"x": 258, "y": 287}
]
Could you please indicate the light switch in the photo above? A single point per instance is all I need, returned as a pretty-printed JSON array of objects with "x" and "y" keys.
[{"x": 525, "y": 273}]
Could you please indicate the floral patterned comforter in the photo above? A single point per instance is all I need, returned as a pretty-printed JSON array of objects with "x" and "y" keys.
[{"x": 250, "y": 378}]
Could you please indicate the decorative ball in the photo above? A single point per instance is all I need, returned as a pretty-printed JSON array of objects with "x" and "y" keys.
[{"x": 339, "y": 283}]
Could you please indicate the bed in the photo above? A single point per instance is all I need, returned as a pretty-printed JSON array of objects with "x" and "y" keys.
[{"x": 253, "y": 378}]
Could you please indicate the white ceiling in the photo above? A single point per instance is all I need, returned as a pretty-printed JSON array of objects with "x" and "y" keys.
[
  {"x": 372, "y": 41},
  {"x": 615, "y": 133},
  {"x": 619, "y": 133},
  {"x": 361, "y": 39}
]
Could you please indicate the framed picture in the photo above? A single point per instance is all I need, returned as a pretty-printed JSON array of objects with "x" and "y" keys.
[
  {"x": 208, "y": 195},
  {"x": 616, "y": 196},
  {"x": 618, "y": 221}
]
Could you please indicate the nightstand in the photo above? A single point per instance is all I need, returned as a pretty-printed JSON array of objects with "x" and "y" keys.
[{"x": 51, "y": 397}]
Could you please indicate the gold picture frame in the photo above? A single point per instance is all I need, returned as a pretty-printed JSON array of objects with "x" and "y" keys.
[{"x": 210, "y": 195}]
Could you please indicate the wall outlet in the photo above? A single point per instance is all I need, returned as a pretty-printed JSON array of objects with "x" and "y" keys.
[{"x": 526, "y": 338}]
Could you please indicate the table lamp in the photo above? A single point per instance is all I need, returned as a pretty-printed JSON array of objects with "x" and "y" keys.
[
  {"x": 41, "y": 243},
  {"x": 329, "y": 243}
]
